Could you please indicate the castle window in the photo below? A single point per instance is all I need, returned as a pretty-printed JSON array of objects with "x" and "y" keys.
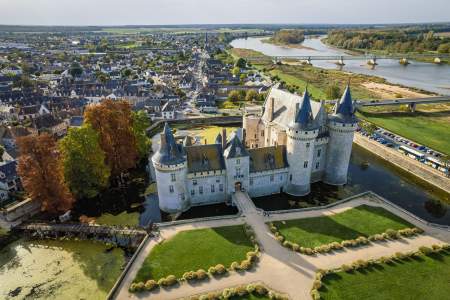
[
  {"x": 200, "y": 190},
  {"x": 290, "y": 177},
  {"x": 251, "y": 181},
  {"x": 281, "y": 177},
  {"x": 307, "y": 145},
  {"x": 255, "y": 136},
  {"x": 182, "y": 196},
  {"x": 192, "y": 192},
  {"x": 238, "y": 161},
  {"x": 305, "y": 164},
  {"x": 217, "y": 180},
  {"x": 194, "y": 182},
  {"x": 271, "y": 178},
  {"x": 171, "y": 188},
  {"x": 319, "y": 152},
  {"x": 213, "y": 188},
  {"x": 221, "y": 187},
  {"x": 317, "y": 165},
  {"x": 262, "y": 133},
  {"x": 173, "y": 178}
]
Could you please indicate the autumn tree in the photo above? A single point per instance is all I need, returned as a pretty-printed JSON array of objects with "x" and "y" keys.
[
  {"x": 83, "y": 162},
  {"x": 41, "y": 173},
  {"x": 252, "y": 95},
  {"x": 140, "y": 125},
  {"x": 113, "y": 122}
]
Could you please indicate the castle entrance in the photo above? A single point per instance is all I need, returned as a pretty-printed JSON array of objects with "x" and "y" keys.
[{"x": 237, "y": 187}]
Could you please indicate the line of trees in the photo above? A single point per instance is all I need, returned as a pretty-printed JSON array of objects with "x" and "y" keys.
[
  {"x": 399, "y": 41},
  {"x": 87, "y": 160}
]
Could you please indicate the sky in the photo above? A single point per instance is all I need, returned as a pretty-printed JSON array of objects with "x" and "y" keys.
[{"x": 160, "y": 12}]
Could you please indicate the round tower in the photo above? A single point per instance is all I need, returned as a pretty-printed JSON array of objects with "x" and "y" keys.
[
  {"x": 341, "y": 125},
  {"x": 301, "y": 135},
  {"x": 171, "y": 173}
]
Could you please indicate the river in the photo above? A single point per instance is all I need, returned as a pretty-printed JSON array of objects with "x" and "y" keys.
[{"x": 427, "y": 76}]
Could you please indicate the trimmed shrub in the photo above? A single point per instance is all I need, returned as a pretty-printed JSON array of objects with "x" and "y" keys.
[
  {"x": 139, "y": 286},
  {"x": 212, "y": 270},
  {"x": 252, "y": 255},
  {"x": 280, "y": 238},
  {"x": 426, "y": 250},
  {"x": 347, "y": 268},
  {"x": 201, "y": 274},
  {"x": 400, "y": 255},
  {"x": 436, "y": 248},
  {"x": 287, "y": 244},
  {"x": 392, "y": 234},
  {"x": 220, "y": 269},
  {"x": 227, "y": 293},
  {"x": 362, "y": 240},
  {"x": 234, "y": 266},
  {"x": 317, "y": 284},
  {"x": 336, "y": 246},
  {"x": 171, "y": 280},
  {"x": 446, "y": 246},
  {"x": 261, "y": 290},
  {"x": 241, "y": 290},
  {"x": 417, "y": 230},
  {"x": 295, "y": 247},
  {"x": 150, "y": 285},
  {"x": 385, "y": 236},
  {"x": 250, "y": 288},
  {"x": 245, "y": 265},
  {"x": 315, "y": 294},
  {"x": 346, "y": 243},
  {"x": 189, "y": 275}
]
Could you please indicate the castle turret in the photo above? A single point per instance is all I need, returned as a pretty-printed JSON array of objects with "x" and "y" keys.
[
  {"x": 341, "y": 125},
  {"x": 170, "y": 170},
  {"x": 237, "y": 163},
  {"x": 301, "y": 134}
]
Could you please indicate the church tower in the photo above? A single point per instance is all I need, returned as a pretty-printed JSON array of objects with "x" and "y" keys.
[
  {"x": 341, "y": 125},
  {"x": 171, "y": 171},
  {"x": 301, "y": 134}
]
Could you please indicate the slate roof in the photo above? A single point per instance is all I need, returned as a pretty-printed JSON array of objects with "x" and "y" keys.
[
  {"x": 304, "y": 119},
  {"x": 169, "y": 152},
  {"x": 235, "y": 148},
  {"x": 343, "y": 110},
  {"x": 268, "y": 158},
  {"x": 9, "y": 169},
  {"x": 285, "y": 108},
  {"x": 202, "y": 158},
  {"x": 76, "y": 121}
]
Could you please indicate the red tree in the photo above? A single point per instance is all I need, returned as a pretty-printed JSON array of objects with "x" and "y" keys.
[{"x": 41, "y": 173}]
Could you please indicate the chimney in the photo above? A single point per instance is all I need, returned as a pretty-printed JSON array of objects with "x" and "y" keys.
[
  {"x": 224, "y": 138},
  {"x": 270, "y": 108},
  {"x": 297, "y": 105}
]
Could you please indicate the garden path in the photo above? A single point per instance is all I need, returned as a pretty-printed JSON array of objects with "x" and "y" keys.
[{"x": 279, "y": 268}]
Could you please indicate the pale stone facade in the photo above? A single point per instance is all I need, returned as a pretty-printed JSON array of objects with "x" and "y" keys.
[{"x": 291, "y": 143}]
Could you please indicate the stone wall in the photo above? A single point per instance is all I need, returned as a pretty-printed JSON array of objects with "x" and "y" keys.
[{"x": 408, "y": 164}]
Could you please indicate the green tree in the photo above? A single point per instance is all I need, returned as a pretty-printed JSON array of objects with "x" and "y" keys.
[
  {"x": 333, "y": 91},
  {"x": 252, "y": 95},
  {"x": 140, "y": 124},
  {"x": 241, "y": 63},
  {"x": 444, "y": 48},
  {"x": 75, "y": 69},
  {"x": 234, "y": 96},
  {"x": 236, "y": 71},
  {"x": 83, "y": 161}
]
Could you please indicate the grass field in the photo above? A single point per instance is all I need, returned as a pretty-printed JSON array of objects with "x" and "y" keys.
[
  {"x": 209, "y": 133},
  {"x": 124, "y": 219},
  {"x": 428, "y": 128},
  {"x": 359, "y": 221},
  {"x": 195, "y": 249},
  {"x": 425, "y": 278}
]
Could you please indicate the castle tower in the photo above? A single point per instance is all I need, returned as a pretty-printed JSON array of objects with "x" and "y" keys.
[
  {"x": 170, "y": 171},
  {"x": 237, "y": 163},
  {"x": 341, "y": 125},
  {"x": 301, "y": 134}
]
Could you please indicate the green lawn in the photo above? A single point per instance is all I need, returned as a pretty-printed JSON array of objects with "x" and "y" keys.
[
  {"x": 421, "y": 127},
  {"x": 124, "y": 219},
  {"x": 195, "y": 249},
  {"x": 360, "y": 221},
  {"x": 425, "y": 278}
]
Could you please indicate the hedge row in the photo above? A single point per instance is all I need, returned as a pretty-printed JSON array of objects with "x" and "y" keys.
[
  {"x": 218, "y": 270},
  {"x": 241, "y": 291},
  {"x": 389, "y": 234},
  {"x": 362, "y": 264}
]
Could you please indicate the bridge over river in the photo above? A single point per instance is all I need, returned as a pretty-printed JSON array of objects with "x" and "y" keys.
[
  {"x": 411, "y": 102},
  {"x": 370, "y": 58}
]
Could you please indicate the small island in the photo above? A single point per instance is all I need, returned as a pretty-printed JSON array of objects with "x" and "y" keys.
[{"x": 291, "y": 38}]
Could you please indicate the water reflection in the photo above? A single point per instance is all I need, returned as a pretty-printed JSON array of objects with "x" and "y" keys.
[{"x": 368, "y": 172}]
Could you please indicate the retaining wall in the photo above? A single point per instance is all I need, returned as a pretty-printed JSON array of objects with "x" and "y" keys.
[{"x": 416, "y": 168}]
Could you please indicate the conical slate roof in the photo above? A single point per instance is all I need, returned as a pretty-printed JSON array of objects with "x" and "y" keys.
[
  {"x": 235, "y": 148},
  {"x": 218, "y": 139},
  {"x": 304, "y": 119},
  {"x": 169, "y": 152},
  {"x": 343, "y": 110}
]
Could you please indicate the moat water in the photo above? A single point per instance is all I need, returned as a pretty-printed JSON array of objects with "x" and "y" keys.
[
  {"x": 426, "y": 76},
  {"x": 367, "y": 172}
]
